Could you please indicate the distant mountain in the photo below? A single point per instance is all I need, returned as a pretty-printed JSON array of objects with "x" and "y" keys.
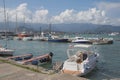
[
  {"x": 86, "y": 28},
  {"x": 107, "y": 28},
  {"x": 73, "y": 27}
]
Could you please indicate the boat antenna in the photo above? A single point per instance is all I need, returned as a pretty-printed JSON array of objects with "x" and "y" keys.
[
  {"x": 4, "y": 13},
  {"x": 50, "y": 28},
  {"x": 40, "y": 30},
  {"x": 16, "y": 24}
]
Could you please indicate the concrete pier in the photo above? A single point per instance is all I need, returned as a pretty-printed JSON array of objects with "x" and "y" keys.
[{"x": 12, "y": 72}]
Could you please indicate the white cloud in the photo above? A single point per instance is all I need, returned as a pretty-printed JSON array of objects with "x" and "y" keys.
[
  {"x": 112, "y": 10},
  {"x": 89, "y": 16},
  {"x": 40, "y": 16},
  {"x": 23, "y": 12},
  {"x": 108, "y": 6},
  {"x": 63, "y": 17},
  {"x": 97, "y": 15},
  {"x": 1, "y": 14}
]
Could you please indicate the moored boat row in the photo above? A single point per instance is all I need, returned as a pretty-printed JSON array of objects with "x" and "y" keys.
[
  {"x": 53, "y": 38},
  {"x": 29, "y": 59}
]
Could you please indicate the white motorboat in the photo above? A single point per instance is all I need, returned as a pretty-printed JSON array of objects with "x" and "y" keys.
[
  {"x": 81, "y": 40},
  {"x": 36, "y": 38},
  {"x": 113, "y": 34},
  {"x": 81, "y": 60},
  {"x": 6, "y": 52},
  {"x": 43, "y": 37},
  {"x": 27, "y": 38}
]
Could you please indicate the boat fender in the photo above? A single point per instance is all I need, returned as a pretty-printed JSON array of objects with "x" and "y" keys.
[
  {"x": 44, "y": 59},
  {"x": 18, "y": 59},
  {"x": 35, "y": 62},
  {"x": 41, "y": 60},
  {"x": 47, "y": 59}
]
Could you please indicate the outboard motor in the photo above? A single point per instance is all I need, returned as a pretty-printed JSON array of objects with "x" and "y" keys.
[{"x": 51, "y": 54}]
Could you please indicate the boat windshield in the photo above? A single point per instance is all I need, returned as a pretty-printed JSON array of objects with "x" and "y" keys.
[{"x": 75, "y": 50}]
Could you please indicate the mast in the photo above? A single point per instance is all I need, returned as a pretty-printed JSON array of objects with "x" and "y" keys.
[
  {"x": 24, "y": 24},
  {"x": 40, "y": 30},
  {"x": 5, "y": 23},
  {"x": 4, "y": 13},
  {"x": 24, "y": 21},
  {"x": 16, "y": 24},
  {"x": 49, "y": 28}
]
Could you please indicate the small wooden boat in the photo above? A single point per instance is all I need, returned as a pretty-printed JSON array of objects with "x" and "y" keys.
[
  {"x": 39, "y": 60},
  {"x": 21, "y": 57}
]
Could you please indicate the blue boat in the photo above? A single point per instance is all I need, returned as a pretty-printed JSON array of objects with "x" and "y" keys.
[
  {"x": 52, "y": 38},
  {"x": 21, "y": 57}
]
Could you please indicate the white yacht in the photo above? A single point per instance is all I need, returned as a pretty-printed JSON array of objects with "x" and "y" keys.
[
  {"x": 81, "y": 40},
  {"x": 81, "y": 60}
]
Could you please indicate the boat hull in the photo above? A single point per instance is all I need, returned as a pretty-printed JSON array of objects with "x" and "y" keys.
[
  {"x": 79, "y": 72},
  {"x": 58, "y": 40},
  {"x": 103, "y": 42},
  {"x": 83, "y": 42},
  {"x": 6, "y": 53}
]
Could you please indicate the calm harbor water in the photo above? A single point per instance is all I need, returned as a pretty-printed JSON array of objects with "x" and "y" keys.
[{"x": 108, "y": 66}]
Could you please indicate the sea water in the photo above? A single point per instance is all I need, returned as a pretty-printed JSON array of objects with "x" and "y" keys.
[{"x": 108, "y": 66}]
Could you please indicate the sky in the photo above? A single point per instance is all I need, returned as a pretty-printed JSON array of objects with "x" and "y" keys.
[{"x": 104, "y": 12}]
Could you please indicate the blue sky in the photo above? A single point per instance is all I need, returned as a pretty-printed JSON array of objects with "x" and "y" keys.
[
  {"x": 54, "y": 6},
  {"x": 64, "y": 11}
]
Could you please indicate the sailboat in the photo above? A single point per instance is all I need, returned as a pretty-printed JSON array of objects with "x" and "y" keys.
[{"x": 5, "y": 51}]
